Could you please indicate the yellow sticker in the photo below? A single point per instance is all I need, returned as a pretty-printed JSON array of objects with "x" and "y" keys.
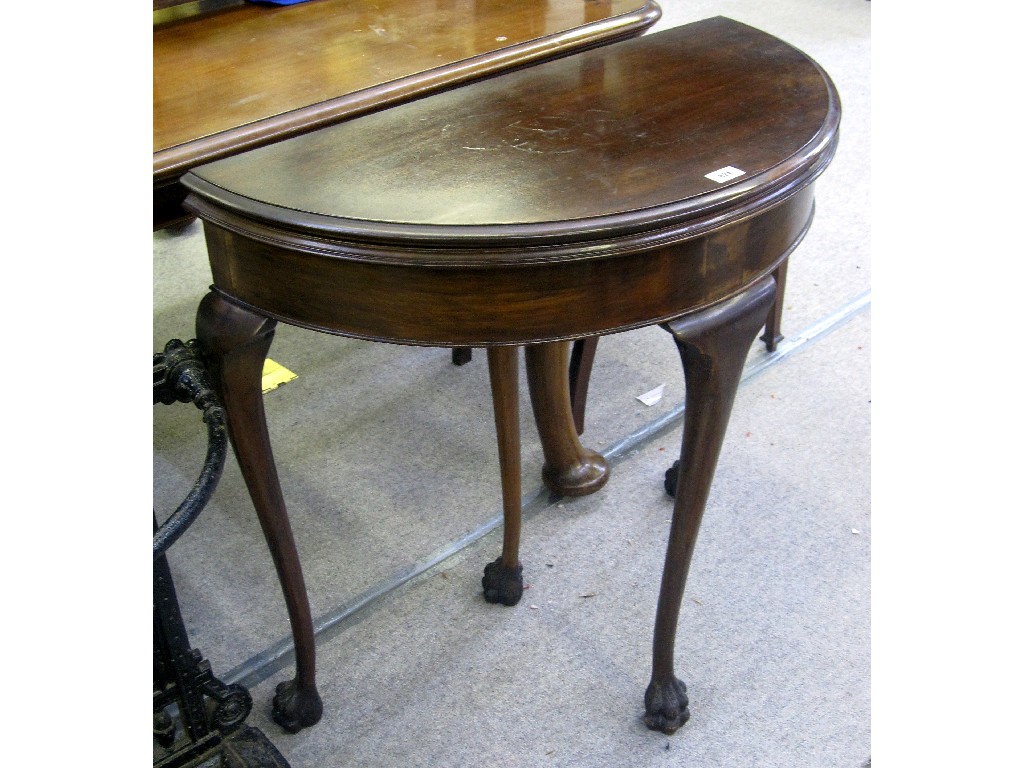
[{"x": 274, "y": 375}]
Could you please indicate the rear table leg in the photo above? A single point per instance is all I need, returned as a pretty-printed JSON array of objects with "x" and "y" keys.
[
  {"x": 713, "y": 345},
  {"x": 773, "y": 324},
  {"x": 581, "y": 362},
  {"x": 503, "y": 578}
]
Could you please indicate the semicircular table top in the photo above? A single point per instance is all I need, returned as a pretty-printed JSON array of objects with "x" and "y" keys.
[{"x": 619, "y": 139}]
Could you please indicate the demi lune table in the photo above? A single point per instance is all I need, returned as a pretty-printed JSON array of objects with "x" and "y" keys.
[{"x": 659, "y": 180}]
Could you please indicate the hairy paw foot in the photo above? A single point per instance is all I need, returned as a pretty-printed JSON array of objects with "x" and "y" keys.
[
  {"x": 672, "y": 479},
  {"x": 296, "y": 706},
  {"x": 667, "y": 706},
  {"x": 502, "y": 584}
]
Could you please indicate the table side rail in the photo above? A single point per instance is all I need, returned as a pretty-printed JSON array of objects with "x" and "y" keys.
[{"x": 481, "y": 306}]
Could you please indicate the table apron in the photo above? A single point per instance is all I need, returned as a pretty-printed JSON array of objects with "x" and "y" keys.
[{"x": 480, "y": 306}]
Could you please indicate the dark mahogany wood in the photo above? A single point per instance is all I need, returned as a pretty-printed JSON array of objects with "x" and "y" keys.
[
  {"x": 236, "y": 342},
  {"x": 230, "y": 76},
  {"x": 503, "y": 579},
  {"x": 581, "y": 363},
  {"x": 773, "y": 325},
  {"x": 564, "y": 201},
  {"x": 569, "y": 468},
  {"x": 713, "y": 346}
]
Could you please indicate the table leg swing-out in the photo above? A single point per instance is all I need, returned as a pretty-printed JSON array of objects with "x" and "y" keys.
[{"x": 662, "y": 180}]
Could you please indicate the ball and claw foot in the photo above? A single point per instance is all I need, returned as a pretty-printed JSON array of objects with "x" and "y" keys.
[
  {"x": 502, "y": 584},
  {"x": 667, "y": 706},
  {"x": 672, "y": 479},
  {"x": 296, "y": 706}
]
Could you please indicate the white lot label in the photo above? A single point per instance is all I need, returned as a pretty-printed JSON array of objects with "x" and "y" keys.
[
  {"x": 652, "y": 397},
  {"x": 724, "y": 174}
]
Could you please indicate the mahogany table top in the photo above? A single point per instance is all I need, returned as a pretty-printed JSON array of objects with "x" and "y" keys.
[
  {"x": 609, "y": 140},
  {"x": 252, "y": 74}
]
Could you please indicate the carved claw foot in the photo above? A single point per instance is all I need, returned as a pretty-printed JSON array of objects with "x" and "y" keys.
[
  {"x": 667, "y": 706},
  {"x": 672, "y": 479},
  {"x": 296, "y": 706},
  {"x": 502, "y": 584}
]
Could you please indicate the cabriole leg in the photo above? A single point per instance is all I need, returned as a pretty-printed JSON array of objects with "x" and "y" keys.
[
  {"x": 235, "y": 343},
  {"x": 503, "y": 578},
  {"x": 713, "y": 345}
]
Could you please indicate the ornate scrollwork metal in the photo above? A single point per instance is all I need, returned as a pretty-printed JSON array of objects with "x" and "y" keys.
[
  {"x": 179, "y": 376},
  {"x": 195, "y": 716}
]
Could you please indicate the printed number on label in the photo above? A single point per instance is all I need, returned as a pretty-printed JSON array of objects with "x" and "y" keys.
[{"x": 724, "y": 174}]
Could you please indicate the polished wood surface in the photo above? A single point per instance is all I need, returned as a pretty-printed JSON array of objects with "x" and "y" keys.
[
  {"x": 450, "y": 222},
  {"x": 471, "y": 165},
  {"x": 257, "y": 73},
  {"x": 569, "y": 468}
]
